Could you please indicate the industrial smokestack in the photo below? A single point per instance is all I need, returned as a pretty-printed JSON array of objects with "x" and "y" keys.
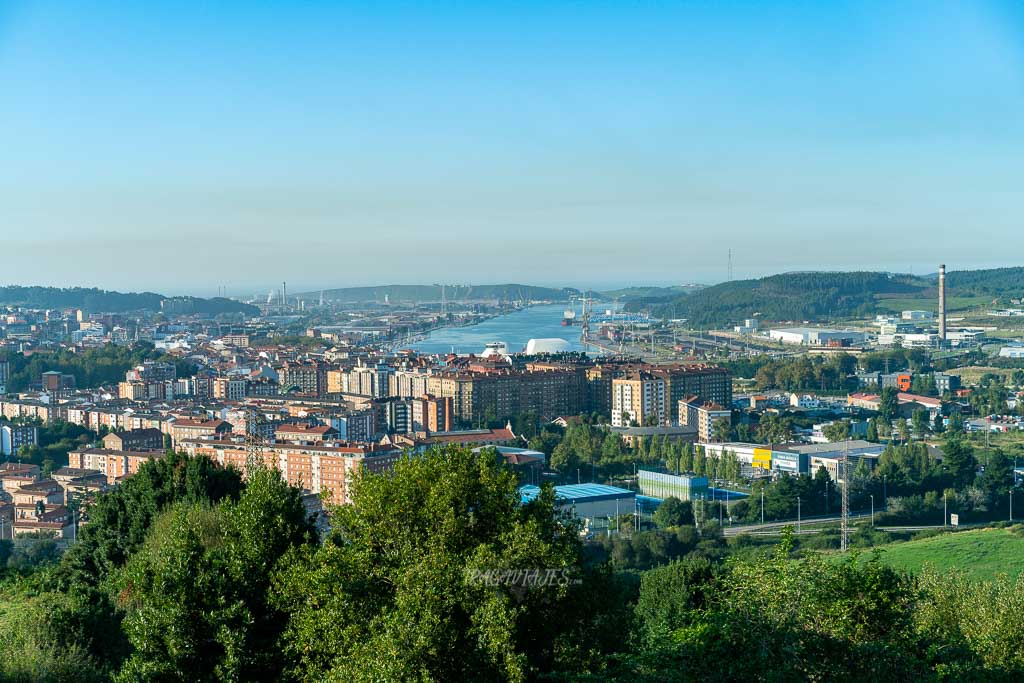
[{"x": 942, "y": 302}]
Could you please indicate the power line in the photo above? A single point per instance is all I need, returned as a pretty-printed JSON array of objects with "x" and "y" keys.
[
  {"x": 253, "y": 441},
  {"x": 845, "y": 526}
]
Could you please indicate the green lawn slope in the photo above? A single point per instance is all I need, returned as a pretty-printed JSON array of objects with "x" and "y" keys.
[{"x": 981, "y": 553}]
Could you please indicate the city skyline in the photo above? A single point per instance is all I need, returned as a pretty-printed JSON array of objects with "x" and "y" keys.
[{"x": 156, "y": 149}]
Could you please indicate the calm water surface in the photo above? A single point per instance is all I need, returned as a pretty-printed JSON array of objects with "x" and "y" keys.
[{"x": 515, "y": 329}]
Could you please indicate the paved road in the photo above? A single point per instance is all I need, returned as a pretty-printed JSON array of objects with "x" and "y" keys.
[{"x": 807, "y": 524}]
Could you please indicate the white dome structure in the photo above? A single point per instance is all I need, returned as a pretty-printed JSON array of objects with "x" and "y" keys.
[{"x": 549, "y": 345}]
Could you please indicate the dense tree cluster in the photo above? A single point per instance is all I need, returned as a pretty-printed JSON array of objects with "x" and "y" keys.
[
  {"x": 833, "y": 372},
  {"x": 184, "y": 573},
  {"x": 815, "y": 619},
  {"x": 989, "y": 282},
  {"x": 789, "y": 296},
  {"x": 90, "y": 367},
  {"x": 821, "y": 295},
  {"x": 56, "y": 439},
  {"x": 439, "y": 571},
  {"x": 809, "y": 373},
  {"x": 989, "y": 397},
  {"x": 93, "y": 299}
]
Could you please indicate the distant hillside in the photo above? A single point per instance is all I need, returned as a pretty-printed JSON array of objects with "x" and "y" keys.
[
  {"x": 432, "y": 293},
  {"x": 95, "y": 300},
  {"x": 826, "y": 295},
  {"x": 994, "y": 282},
  {"x": 790, "y": 296},
  {"x": 647, "y": 293}
]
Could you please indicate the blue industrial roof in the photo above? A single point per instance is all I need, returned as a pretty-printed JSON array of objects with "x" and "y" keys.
[
  {"x": 726, "y": 494},
  {"x": 574, "y": 493},
  {"x": 648, "y": 503}
]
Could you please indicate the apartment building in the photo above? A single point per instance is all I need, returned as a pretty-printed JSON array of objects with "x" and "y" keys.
[
  {"x": 394, "y": 415},
  {"x": 39, "y": 506},
  {"x": 230, "y": 388},
  {"x": 79, "y": 483},
  {"x": 13, "y": 437},
  {"x": 13, "y": 475},
  {"x": 431, "y": 414},
  {"x": 303, "y": 433},
  {"x": 696, "y": 412},
  {"x": 262, "y": 386},
  {"x": 14, "y": 408},
  {"x": 407, "y": 383},
  {"x": 54, "y": 381},
  {"x": 240, "y": 340},
  {"x": 152, "y": 372},
  {"x": 135, "y": 440},
  {"x": 708, "y": 382},
  {"x": 305, "y": 378},
  {"x": 370, "y": 381},
  {"x": 639, "y": 398},
  {"x": 113, "y": 464},
  {"x": 317, "y": 468},
  {"x": 197, "y": 429},
  {"x": 477, "y": 394},
  {"x": 337, "y": 382},
  {"x": 357, "y": 425}
]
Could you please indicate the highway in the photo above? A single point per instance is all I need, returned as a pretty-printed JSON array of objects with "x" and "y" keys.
[{"x": 807, "y": 525}]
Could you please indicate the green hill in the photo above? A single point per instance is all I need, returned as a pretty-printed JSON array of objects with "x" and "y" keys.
[
  {"x": 994, "y": 282},
  {"x": 822, "y": 296},
  {"x": 981, "y": 553},
  {"x": 645, "y": 293},
  {"x": 789, "y": 296},
  {"x": 96, "y": 300}
]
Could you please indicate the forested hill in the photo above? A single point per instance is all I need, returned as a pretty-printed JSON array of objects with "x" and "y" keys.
[
  {"x": 432, "y": 293},
  {"x": 789, "y": 296},
  {"x": 995, "y": 282},
  {"x": 96, "y": 300}
]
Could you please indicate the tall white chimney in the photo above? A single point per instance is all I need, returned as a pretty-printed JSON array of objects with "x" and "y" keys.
[{"x": 942, "y": 302}]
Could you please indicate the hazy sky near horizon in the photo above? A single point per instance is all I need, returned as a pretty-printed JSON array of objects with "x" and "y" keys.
[{"x": 178, "y": 147}]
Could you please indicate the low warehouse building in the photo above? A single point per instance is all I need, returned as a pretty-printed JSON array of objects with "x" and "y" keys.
[{"x": 588, "y": 501}]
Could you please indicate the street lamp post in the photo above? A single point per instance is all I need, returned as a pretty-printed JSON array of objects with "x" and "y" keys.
[
  {"x": 872, "y": 511},
  {"x": 798, "y": 514},
  {"x": 762, "y": 505},
  {"x": 1011, "y": 506},
  {"x": 945, "y": 509}
]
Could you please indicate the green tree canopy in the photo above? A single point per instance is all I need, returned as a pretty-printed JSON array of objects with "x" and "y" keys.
[{"x": 423, "y": 578}]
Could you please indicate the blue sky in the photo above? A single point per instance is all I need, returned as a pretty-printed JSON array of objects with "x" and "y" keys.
[{"x": 179, "y": 147}]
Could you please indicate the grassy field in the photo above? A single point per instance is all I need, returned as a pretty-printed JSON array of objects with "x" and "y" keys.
[
  {"x": 972, "y": 374},
  {"x": 981, "y": 553}
]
